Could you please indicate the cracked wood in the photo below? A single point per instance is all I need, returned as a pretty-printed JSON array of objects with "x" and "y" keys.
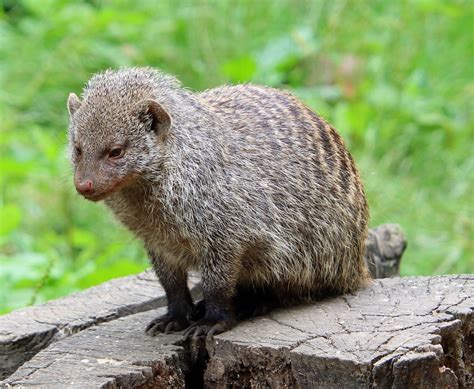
[{"x": 401, "y": 332}]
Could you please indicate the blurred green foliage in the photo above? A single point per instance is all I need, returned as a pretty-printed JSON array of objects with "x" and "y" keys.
[{"x": 395, "y": 77}]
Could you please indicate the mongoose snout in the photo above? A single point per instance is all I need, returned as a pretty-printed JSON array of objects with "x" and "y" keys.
[{"x": 84, "y": 187}]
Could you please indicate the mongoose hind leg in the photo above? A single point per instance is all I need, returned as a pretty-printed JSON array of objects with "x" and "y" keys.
[
  {"x": 248, "y": 302},
  {"x": 199, "y": 310},
  {"x": 180, "y": 304},
  {"x": 254, "y": 301}
]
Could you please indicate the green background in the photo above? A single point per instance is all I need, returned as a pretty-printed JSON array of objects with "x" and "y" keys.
[{"x": 395, "y": 77}]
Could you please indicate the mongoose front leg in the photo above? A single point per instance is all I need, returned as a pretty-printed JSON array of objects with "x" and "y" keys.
[
  {"x": 218, "y": 290},
  {"x": 180, "y": 305}
]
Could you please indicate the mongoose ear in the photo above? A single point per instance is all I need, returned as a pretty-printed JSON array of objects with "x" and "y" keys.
[
  {"x": 161, "y": 122},
  {"x": 73, "y": 104}
]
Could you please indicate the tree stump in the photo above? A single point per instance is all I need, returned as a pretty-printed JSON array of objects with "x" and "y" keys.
[
  {"x": 397, "y": 333},
  {"x": 25, "y": 332}
]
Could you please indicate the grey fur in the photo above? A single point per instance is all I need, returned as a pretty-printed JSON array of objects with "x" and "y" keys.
[{"x": 243, "y": 183}]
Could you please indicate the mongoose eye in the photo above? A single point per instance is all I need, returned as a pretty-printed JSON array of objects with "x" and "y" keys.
[
  {"x": 78, "y": 151},
  {"x": 116, "y": 152}
]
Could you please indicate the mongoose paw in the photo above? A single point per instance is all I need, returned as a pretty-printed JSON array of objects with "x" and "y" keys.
[
  {"x": 206, "y": 328},
  {"x": 166, "y": 324}
]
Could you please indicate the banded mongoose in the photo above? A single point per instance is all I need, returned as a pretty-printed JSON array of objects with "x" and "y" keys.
[{"x": 243, "y": 183}]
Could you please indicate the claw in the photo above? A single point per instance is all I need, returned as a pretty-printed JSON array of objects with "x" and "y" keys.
[
  {"x": 195, "y": 331},
  {"x": 215, "y": 329},
  {"x": 199, "y": 331},
  {"x": 166, "y": 324},
  {"x": 169, "y": 327},
  {"x": 154, "y": 327},
  {"x": 187, "y": 334},
  {"x": 206, "y": 328}
]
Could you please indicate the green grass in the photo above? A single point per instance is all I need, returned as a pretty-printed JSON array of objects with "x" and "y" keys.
[{"x": 396, "y": 79}]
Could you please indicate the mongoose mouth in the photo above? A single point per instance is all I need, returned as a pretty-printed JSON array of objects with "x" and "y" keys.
[
  {"x": 116, "y": 186},
  {"x": 97, "y": 196}
]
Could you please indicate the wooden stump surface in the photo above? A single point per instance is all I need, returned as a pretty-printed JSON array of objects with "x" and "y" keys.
[{"x": 398, "y": 333}]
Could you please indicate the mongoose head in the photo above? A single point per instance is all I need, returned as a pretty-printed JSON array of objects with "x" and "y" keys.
[{"x": 115, "y": 132}]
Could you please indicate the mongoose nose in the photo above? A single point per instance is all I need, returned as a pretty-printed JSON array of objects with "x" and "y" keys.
[{"x": 85, "y": 187}]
